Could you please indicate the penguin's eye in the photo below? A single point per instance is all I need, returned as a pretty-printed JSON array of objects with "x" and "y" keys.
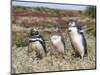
[
  {"x": 32, "y": 33},
  {"x": 36, "y": 33}
]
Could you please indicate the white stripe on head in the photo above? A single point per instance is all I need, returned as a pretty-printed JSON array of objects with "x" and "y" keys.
[{"x": 72, "y": 23}]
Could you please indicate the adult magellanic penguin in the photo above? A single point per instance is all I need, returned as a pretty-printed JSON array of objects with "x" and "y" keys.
[
  {"x": 57, "y": 41},
  {"x": 37, "y": 44},
  {"x": 77, "y": 38}
]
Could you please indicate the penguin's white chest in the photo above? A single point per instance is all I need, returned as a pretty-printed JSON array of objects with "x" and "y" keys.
[
  {"x": 37, "y": 48},
  {"x": 57, "y": 43},
  {"x": 75, "y": 37},
  {"x": 76, "y": 40},
  {"x": 36, "y": 45},
  {"x": 56, "y": 39}
]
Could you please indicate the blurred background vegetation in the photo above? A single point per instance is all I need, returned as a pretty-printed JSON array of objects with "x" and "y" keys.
[
  {"x": 24, "y": 18},
  {"x": 91, "y": 11}
]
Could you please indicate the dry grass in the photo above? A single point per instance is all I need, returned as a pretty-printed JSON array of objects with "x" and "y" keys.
[{"x": 22, "y": 63}]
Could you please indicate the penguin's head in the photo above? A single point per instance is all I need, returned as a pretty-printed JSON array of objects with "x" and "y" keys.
[
  {"x": 34, "y": 32},
  {"x": 72, "y": 25},
  {"x": 56, "y": 28}
]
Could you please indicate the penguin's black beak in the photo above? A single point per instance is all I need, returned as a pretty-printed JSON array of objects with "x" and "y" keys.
[{"x": 69, "y": 30}]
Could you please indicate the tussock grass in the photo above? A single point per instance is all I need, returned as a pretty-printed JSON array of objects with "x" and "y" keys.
[
  {"x": 21, "y": 25},
  {"x": 22, "y": 63}
]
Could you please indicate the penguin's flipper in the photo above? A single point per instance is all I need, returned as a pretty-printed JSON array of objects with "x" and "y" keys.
[
  {"x": 81, "y": 31},
  {"x": 62, "y": 39},
  {"x": 43, "y": 43},
  {"x": 85, "y": 45}
]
